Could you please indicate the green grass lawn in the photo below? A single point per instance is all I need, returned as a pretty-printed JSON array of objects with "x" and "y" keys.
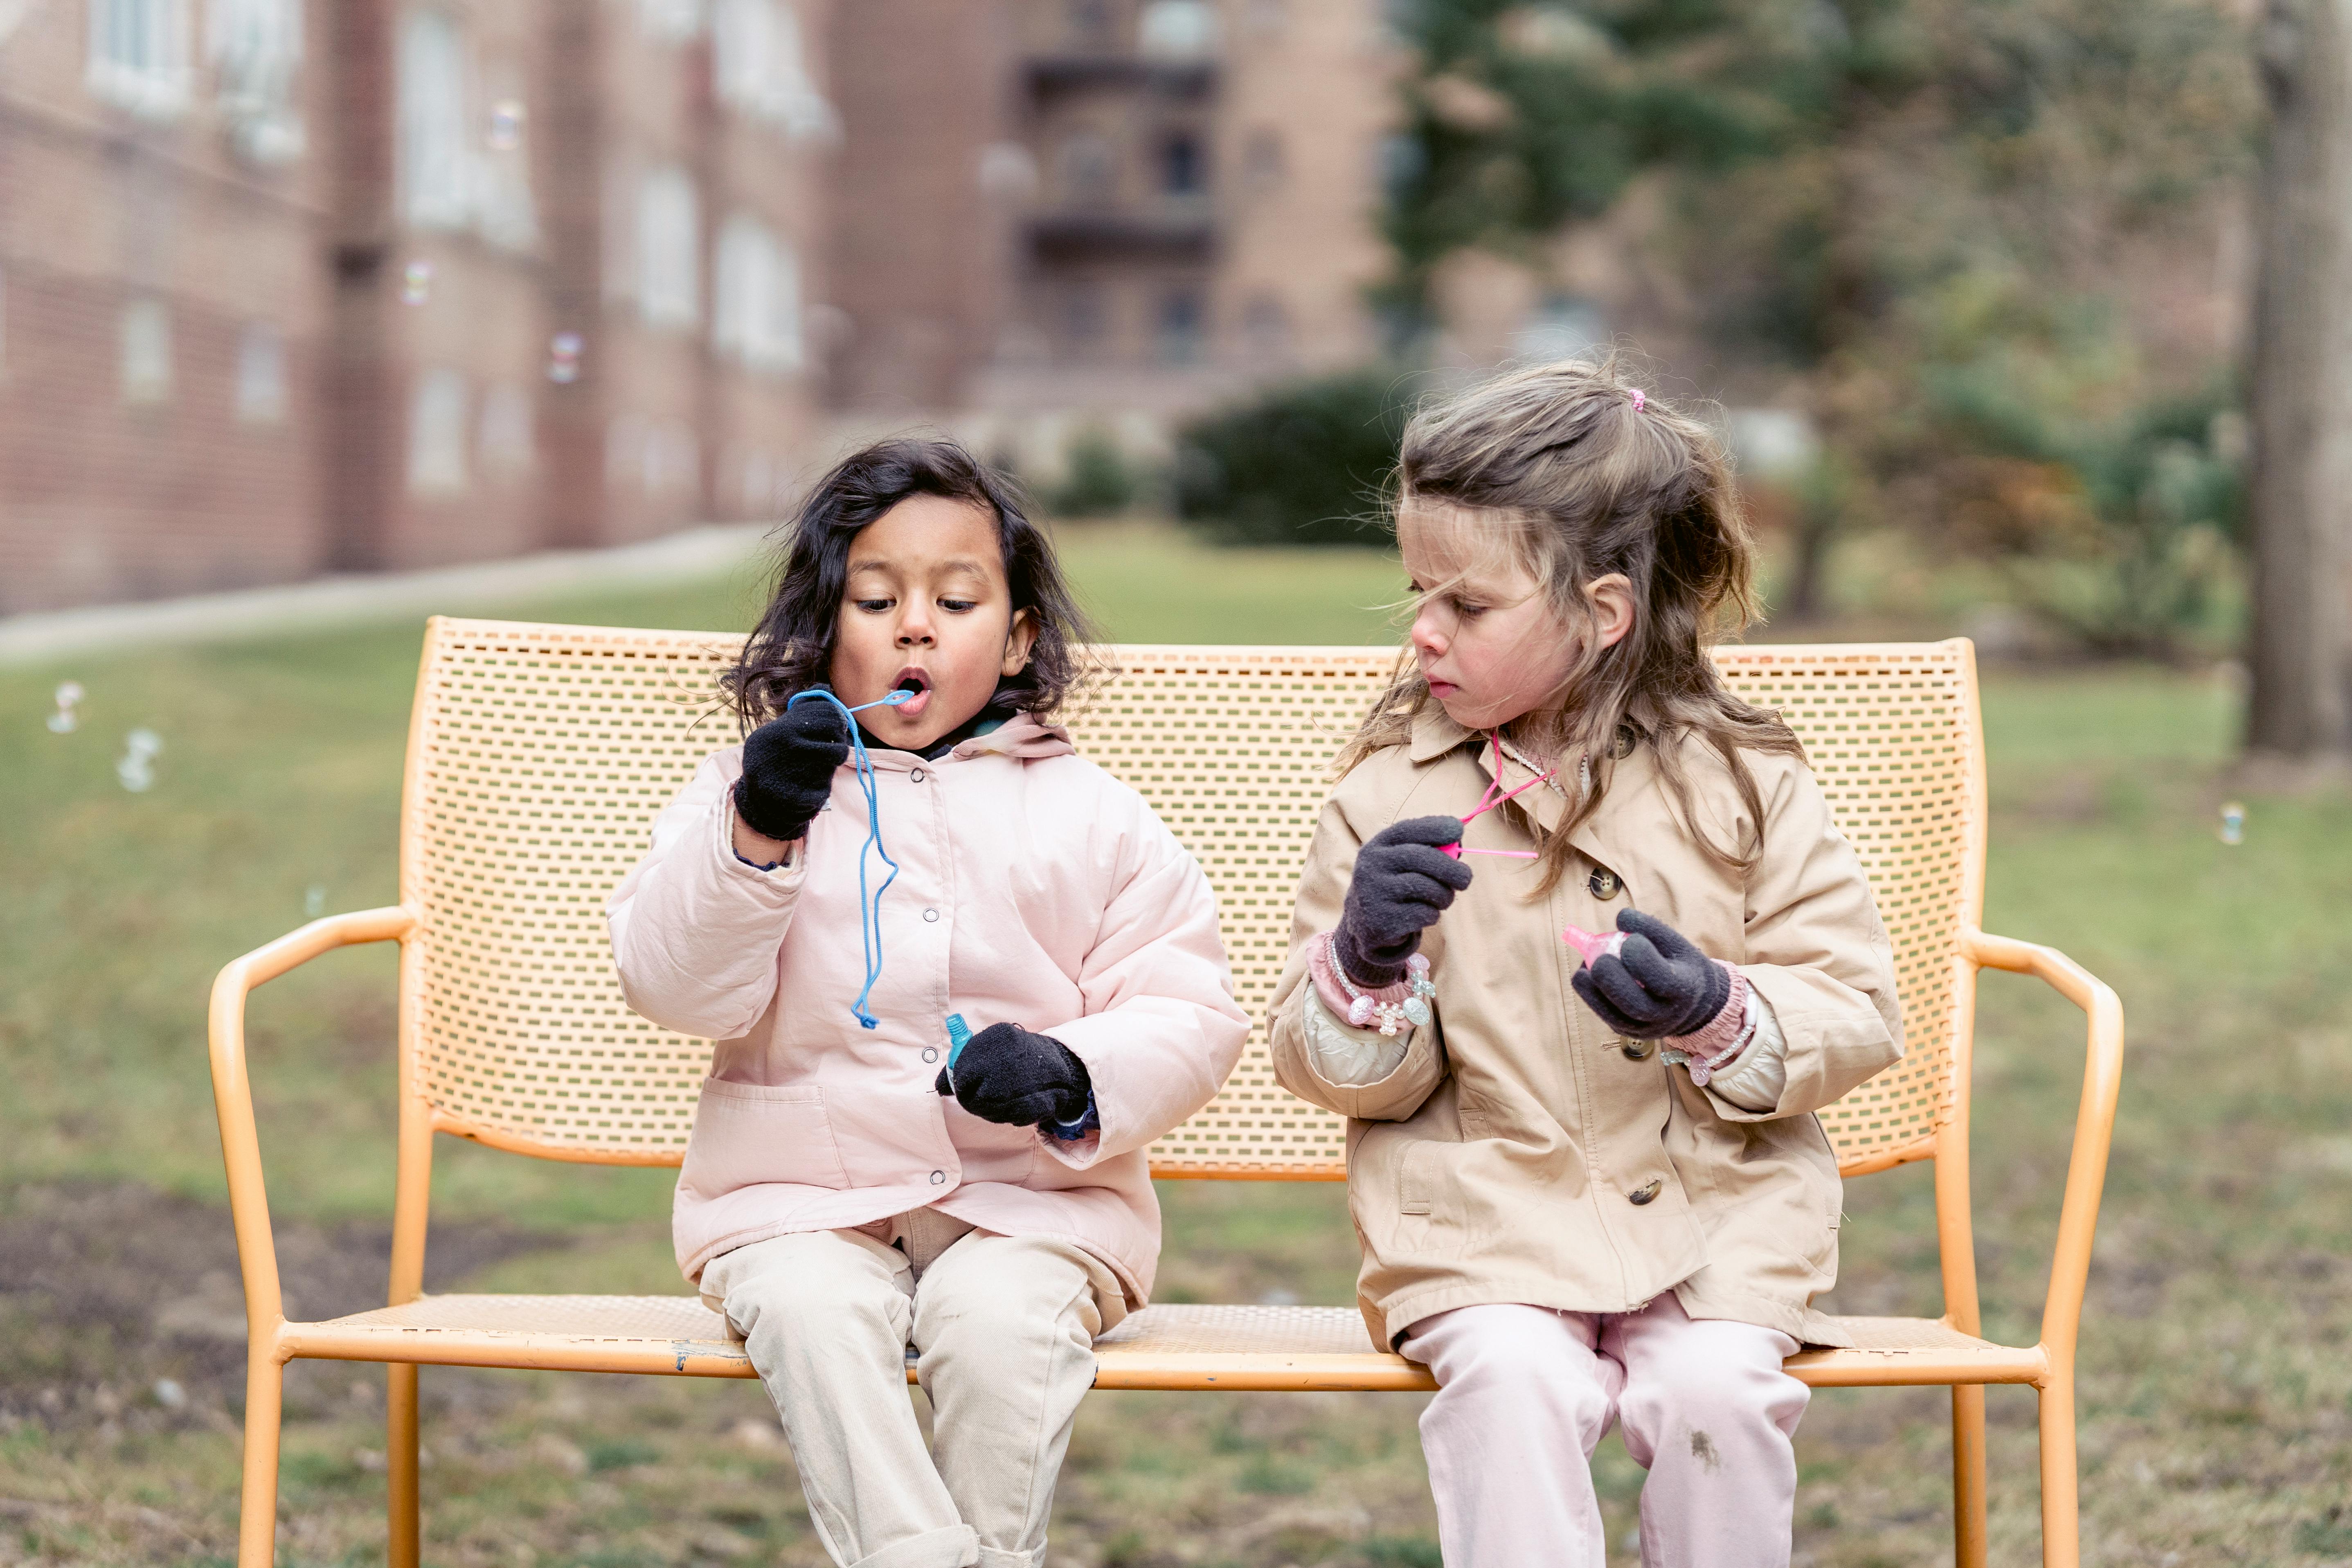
[{"x": 2218, "y": 1393}]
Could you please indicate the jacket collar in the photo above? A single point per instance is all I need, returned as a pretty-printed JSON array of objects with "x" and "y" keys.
[
  {"x": 1023, "y": 737},
  {"x": 1603, "y": 836}
]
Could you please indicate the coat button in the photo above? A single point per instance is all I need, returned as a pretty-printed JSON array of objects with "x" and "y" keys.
[
  {"x": 1637, "y": 1050},
  {"x": 938, "y": 1177},
  {"x": 1637, "y": 1197},
  {"x": 930, "y": 1053},
  {"x": 915, "y": 777},
  {"x": 931, "y": 915},
  {"x": 1602, "y": 883}
]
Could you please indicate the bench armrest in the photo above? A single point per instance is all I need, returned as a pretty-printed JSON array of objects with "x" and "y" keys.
[
  {"x": 2095, "y": 1121},
  {"x": 248, "y": 1201}
]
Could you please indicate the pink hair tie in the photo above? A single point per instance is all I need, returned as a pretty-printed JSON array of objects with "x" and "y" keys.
[{"x": 1640, "y": 400}]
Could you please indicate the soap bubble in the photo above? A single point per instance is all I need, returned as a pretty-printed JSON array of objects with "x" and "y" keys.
[
  {"x": 65, "y": 721},
  {"x": 507, "y": 117},
  {"x": 563, "y": 358},
  {"x": 137, "y": 768},
  {"x": 2233, "y": 824},
  {"x": 314, "y": 901},
  {"x": 416, "y": 283}
]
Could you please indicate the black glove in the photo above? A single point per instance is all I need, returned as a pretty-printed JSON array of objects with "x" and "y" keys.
[
  {"x": 788, "y": 766},
  {"x": 1656, "y": 985},
  {"x": 1006, "y": 1074},
  {"x": 1402, "y": 883}
]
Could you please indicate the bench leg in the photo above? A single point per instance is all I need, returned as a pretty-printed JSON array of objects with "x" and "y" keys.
[
  {"x": 405, "y": 1542},
  {"x": 1968, "y": 1543},
  {"x": 2062, "y": 1545},
  {"x": 257, "y": 1522}
]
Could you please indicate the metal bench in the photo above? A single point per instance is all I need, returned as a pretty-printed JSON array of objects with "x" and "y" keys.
[{"x": 539, "y": 754}]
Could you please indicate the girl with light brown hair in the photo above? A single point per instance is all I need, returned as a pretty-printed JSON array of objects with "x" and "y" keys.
[{"x": 1581, "y": 951}]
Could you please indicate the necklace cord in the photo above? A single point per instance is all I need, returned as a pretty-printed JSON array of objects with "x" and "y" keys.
[{"x": 869, "y": 907}]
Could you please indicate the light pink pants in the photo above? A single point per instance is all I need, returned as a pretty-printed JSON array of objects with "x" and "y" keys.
[{"x": 1526, "y": 1392}]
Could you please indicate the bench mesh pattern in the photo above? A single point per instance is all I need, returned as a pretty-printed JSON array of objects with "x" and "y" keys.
[{"x": 542, "y": 754}]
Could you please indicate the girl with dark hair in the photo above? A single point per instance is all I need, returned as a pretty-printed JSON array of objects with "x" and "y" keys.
[
  {"x": 1584, "y": 1162},
  {"x": 886, "y": 1153}
]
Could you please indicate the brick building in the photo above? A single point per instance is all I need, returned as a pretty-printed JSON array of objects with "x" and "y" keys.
[
  {"x": 162, "y": 305},
  {"x": 290, "y": 285},
  {"x": 293, "y": 286},
  {"x": 1154, "y": 203}
]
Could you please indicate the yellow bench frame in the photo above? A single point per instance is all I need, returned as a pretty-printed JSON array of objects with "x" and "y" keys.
[{"x": 539, "y": 754}]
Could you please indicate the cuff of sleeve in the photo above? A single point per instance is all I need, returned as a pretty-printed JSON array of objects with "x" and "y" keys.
[
  {"x": 1725, "y": 1036},
  {"x": 1754, "y": 1078},
  {"x": 1384, "y": 1007},
  {"x": 1349, "y": 1057},
  {"x": 1071, "y": 1131},
  {"x": 727, "y": 821}
]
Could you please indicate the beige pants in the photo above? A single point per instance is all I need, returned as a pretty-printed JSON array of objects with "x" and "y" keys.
[{"x": 1004, "y": 1329}]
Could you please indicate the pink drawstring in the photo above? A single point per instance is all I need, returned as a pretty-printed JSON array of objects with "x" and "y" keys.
[{"x": 1490, "y": 800}]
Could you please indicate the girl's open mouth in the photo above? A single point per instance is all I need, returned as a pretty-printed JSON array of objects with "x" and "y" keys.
[{"x": 916, "y": 681}]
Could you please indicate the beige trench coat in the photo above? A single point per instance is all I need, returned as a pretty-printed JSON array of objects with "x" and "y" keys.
[{"x": 1501, "y": 1159}]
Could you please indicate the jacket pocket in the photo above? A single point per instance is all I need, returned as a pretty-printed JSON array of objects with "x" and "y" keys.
[{"x": 748, "y": 1134}]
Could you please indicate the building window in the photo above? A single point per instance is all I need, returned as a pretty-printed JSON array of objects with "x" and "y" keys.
[
  {"x": 509, "y": 447},
  {"x": 1181, "y": 327},
  {"x": 669, "y": 21},
  {"x": 672, "y": 461},
  {"x": 1093, "y": 27},
  {"x": 625, "y": 442},
  {"x": 1562, "y": 328},
  {"x": 1178, "y": 29},
  {"x": 1085, "y": 168},
  {"x": 670, "y": 249},
  {"x": 437, "y": 185},
  {"x": 255, "y": 48},
  {"x": 756, "y": 311},
  {"x": 1085, "y": 316},
  {"x": 436, "y": 434},
  {"x": 138, "y": 55},
  {"x": 1265, "y": 326},
  {"x": 763, "y": 68},
  {"x": 261, "y": 375},
  {"x": 146, "y": 342},
  {"x": 1263, "y": 164},
  {"x": 1182, "y": 165}
]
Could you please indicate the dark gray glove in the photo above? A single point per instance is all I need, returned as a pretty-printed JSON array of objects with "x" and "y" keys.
[
  {"x": 1402, "y": 882},
  {"x": 788, "y": 767},
  {"x": 1657, "y": 985},
  {"x": 1006, "y": 1074}
]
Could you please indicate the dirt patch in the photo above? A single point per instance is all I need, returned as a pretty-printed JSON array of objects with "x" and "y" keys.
[{"x": 115, "y": 1285}]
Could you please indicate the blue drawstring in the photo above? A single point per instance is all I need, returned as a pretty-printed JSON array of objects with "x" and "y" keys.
[{"x": 869, "y": 909}]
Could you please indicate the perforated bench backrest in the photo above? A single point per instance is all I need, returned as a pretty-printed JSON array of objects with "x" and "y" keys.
[{"x": 539, "y": 755}]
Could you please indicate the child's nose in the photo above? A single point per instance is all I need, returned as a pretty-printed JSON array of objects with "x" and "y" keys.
[
  {"x": 1428, "y": 637},
  {"x": 915, "y": 629}
]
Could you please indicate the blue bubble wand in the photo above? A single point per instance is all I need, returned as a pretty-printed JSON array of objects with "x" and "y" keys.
[{"x": 869, "y": 908}]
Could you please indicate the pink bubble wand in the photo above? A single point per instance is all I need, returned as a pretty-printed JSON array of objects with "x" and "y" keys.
[
  {"x": 1593, "y": 945},
  {"x": 1488, "y": 802}
]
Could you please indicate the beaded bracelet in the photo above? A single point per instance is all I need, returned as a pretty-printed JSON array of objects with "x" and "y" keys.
[{"x": 1391, "y": 1017}]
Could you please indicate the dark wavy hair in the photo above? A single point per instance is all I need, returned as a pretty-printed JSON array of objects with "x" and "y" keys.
[{"x": 791, "y": 649}]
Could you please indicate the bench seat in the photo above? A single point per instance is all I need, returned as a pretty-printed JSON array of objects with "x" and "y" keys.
[{"x": 1170, "y": 1346}]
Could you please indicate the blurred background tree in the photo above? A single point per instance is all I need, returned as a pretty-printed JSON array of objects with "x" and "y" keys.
[
  {"x": 2301, "y": 641},
  {"x": 1920, "y": 211}
]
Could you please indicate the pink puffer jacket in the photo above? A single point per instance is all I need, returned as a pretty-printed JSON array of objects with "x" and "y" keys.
[{"x": 1033, "y": 889}]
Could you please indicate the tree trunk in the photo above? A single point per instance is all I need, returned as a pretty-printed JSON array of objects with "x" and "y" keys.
[{"x": 2301, "y": 490}]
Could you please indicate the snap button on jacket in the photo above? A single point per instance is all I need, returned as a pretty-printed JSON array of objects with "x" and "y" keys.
[{"x": 1519, "y": 1152}]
